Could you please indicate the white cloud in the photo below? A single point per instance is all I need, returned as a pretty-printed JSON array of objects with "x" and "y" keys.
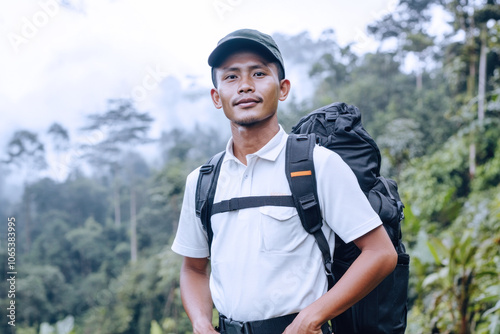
[{"x": 61, "y": 62}]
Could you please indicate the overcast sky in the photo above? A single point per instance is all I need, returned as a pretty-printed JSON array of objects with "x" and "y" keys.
[{"x": 62, "y": 59}]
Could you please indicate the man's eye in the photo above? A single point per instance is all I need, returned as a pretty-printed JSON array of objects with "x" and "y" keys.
[
  {"x": 259, "y": 74},
  {"x": 230, "y": 77}
]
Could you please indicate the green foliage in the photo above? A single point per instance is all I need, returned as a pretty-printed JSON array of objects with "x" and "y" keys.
[
  {"x": 21, "y": 330},
  {"x": 194, "y": 146},
  {"x": 41, "y": 295},
  {"x": 457, "y": 289},
  {"x": 488, "y": 171},
  {"x": 75, "y": 198},
  {"x": 437, "y": 183},
  {"x": 401, "y": 142},
  {"x": 460, "y": 289},
  {"x": 86, "y": 242},
  {"x": 144, "y": 293},
  {"x": 107, "y": 319}
]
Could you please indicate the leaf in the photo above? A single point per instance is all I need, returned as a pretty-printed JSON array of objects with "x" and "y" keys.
[
  {"x": 155, "y": 328},
  {"x": 438, "y": 250},
  {"x": 434, "y": 253}
]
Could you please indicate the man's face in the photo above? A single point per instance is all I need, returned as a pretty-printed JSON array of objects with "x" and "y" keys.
[{"x": 248, "y": 89}]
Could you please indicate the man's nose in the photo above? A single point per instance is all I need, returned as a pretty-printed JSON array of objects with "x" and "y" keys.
[{"x": 246, "y": 85}]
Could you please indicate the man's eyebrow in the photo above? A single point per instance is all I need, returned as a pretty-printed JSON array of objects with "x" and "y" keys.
[
  {"x": 252, "y": 67},
  {"x": 230, "y": 69}
]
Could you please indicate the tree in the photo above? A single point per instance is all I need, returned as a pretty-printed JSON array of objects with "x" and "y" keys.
[
  {"x": 27, "y": 152},
  {"x": 60, "y": 136},
  {"x": 41, "y": 295},
  {"x": 122, "y": 126},
  {"x": 135, "y": 171},
  {"x": 470, "y": 18},
  {"x": 24, "y": 148},
  {"x": 407, "y": 25},
  {"x": 482, "y": 16},
  {"x": 60, "y": 143}
]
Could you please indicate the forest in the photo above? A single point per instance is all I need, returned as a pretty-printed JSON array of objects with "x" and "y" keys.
[{"x": 93, "y": 249}]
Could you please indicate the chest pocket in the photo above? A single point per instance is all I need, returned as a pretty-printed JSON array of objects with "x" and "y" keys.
[{"x": 280, "y": 229}]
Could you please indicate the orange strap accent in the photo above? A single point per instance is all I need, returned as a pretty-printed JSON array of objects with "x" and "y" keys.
[{"x": 301, "y": 173}]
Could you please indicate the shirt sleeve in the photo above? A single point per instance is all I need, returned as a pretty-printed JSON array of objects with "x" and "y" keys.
[
  {"x": 191, "y": 239},
  {"x": 344, "y": 206}
]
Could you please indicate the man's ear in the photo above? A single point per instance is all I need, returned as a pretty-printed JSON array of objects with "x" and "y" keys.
[
  {"x": 284, "y": 89},
  {"x": 216, "y": 98}
]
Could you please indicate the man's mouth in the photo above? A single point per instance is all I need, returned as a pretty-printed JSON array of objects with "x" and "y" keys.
[{"x": 248, "y": 102}]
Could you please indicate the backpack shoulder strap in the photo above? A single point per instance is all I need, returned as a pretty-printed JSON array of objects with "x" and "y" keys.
[
  {"x": 205, "y": 192},
  {"x": 299, "y": 168}
]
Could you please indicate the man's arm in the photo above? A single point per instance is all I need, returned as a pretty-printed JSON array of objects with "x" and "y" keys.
[
  {"x": 378, "y": 259},
  {"x": 195, "y": 294}
]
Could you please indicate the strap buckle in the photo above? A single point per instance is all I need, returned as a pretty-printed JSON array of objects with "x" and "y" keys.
[
  {"x": 329, "y": 268},
  {"x": 332, "y": 115},
  {"x": 230, "y": 326},
  {"x": 307, "y": 201},
  {"x": 206, "y": 169}
]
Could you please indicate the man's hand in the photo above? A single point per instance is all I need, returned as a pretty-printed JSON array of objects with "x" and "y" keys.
[
  {"x": 195, "y": 294},
  {"x": 207, "y": 329},
  {"x": 303, "y": 324}
]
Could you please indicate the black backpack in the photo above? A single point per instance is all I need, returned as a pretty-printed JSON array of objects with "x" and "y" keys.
[{"x": 337, "y": 127}]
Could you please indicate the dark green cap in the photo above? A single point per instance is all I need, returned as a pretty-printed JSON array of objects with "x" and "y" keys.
[{"x": 245, "y": 39}]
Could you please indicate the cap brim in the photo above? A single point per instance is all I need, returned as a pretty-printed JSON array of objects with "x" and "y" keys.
[{"x": 225, "y": 49}]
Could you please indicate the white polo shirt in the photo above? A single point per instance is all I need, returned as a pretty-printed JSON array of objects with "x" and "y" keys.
[{"x": 264, "y": 264}]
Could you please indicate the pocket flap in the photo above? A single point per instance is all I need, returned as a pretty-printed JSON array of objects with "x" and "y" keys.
[{"x": 278, "y": 213}]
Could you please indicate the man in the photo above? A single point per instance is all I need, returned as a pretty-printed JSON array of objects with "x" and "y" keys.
[{"x": 265, "y": 268}]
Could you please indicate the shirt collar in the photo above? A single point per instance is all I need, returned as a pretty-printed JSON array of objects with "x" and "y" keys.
[{"x": 270, "y": 151}]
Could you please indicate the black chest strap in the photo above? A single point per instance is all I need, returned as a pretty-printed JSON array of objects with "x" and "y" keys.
[{"x": 239, "y": 203}]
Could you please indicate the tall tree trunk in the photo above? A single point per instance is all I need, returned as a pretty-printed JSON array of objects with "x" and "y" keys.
[
  {"x": 420, "y": 71},
  {"x": 471, "y": 49},
  {"x": 133, "y": 226},
  {"x": 464, "y": 301},
  {"x": 419, "y": 80},
  {"x": 116, "y": 202},
  {"x": 482, "y": 76},
  {"x": 27, "y": 202},
  {"x": 471, "y": 92},
  {"x": 480, "y": 99}
]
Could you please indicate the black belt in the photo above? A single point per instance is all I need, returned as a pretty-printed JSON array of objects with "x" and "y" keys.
[{"x": 268, "y": 326}]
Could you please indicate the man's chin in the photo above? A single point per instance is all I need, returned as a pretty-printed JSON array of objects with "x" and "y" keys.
[
  {"x": 250, "y": 121},
  {"x": 247, "y": 122}
]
